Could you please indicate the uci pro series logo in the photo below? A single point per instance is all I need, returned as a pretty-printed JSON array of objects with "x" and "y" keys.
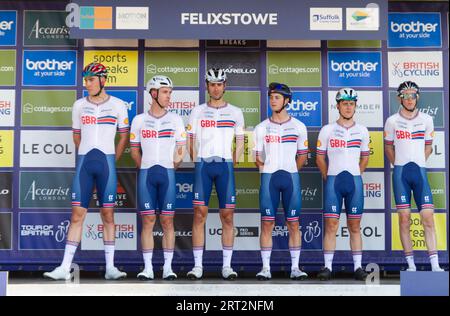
[{"x": 49, "y": 68}]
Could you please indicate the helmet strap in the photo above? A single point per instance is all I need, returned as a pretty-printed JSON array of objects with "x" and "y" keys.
[
  {"x": 415, "y": 107},
  {"x": 101, "y": 87},
  {"x": 283, "y": 107},
  {"x": 157, "y": 99}
]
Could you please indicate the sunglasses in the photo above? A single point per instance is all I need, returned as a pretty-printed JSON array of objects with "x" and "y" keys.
[{"x": 409, "y": 96}]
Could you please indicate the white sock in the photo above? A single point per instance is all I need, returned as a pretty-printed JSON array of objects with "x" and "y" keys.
[
  {"x": 434, "y": 260},
  {"x": 357, "y": 258},
  {"x": 148, "y": 255},
  {"x": 227, "y": 253},
  {"x": 168, "y": 256},
  {"x": 410, "y": 260},
  {"x": 328, "y": 258},
  {"x": 69, "y": 253},
  {"x": 295, "y": 257},
  {"x": 198, "y": 256},
  {"x": 109, "y": 254},
  {"x": 265, "y": 256}
]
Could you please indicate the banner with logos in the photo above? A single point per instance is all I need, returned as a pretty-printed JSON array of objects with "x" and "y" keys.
[{"x": 40, "y": 65}]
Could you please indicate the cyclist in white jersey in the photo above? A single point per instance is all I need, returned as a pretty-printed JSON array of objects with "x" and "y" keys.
[
  {"x": 212, "y": 128},
  {"x": 95, "y": 121},
  {"x": 408, "y": 141},
  {"x": 281, "y": 149},
  {"x": 161, "y": 137},
  {"x": 346, "y": 144}
]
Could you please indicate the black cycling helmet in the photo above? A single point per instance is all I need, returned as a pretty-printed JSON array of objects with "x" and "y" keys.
[
  {"x": 280, "y": 88},
  {"x": 407, "y": 85}
]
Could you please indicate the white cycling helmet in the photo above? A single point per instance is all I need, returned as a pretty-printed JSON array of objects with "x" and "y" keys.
[
  {"x": 346, "y": 94},
  {"x": 158, "y": 82},
  {"x": 216, "y": 75}
]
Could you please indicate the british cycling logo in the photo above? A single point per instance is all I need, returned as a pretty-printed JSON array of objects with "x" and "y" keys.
[
  {"x": 49, "y": 68},
  {"x": 414, "y": 30}
]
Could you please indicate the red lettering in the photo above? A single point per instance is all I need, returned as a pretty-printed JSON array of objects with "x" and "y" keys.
[
  {"x": 88, "y": 120},
  {"x": 207, "y": 123},
  {"x": 273, "y": 139},
  {"x": 337, "y": 143},
  {"x": 403, "y": 135},
  {"x": 148, "y": 133}
]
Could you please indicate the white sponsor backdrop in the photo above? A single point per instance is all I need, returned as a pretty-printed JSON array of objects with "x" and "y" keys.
[
  {"x": 369, "y": 112},
  {"x": 126, "y": 232},
  {"x": 47, "y": 149},
  {"x": 424, "y": 68},
  {"x": 374, "y": 187},
  {"x": 372, "y": 232},
  {"x": 182, "y": 103},
  {"x": 213, "y": 235},
  {"x": 437, "y": 157}
]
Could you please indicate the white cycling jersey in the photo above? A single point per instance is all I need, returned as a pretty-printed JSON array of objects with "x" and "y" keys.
[
  {"x": 344, "y": 147},
  {"x": 98, "y": 123},
  {"x": 213, "y": 129},
  {"x": 277, "y": 145},
  {"x": 158, "y": 138},
  {"x": 409, "y": 136}
]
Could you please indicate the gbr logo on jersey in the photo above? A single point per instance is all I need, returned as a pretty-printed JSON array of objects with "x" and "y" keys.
[
  {"x": 88, "y": 120},
  {"x": 273, "y": 139},
  {"x": 402, "y": 134},
  {"x": 338, "y": 143},
  {"x": 149, "y": 133},
  {"x": 208, "y": 123}
]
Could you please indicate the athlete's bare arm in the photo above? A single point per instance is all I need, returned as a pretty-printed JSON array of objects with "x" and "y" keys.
[
  {"x": 322, "y": 165},
  {"x": 122, "y": 144},
  {"x": 390, "y": 152}
]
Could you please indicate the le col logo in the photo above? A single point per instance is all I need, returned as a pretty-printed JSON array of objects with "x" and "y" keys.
[{"x": 36, "y": 149}]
